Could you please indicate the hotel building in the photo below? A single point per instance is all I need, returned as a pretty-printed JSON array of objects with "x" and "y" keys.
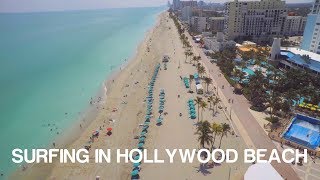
[
  {"x": 256, "y": 20},
  {"x": 311, "y": 36}
]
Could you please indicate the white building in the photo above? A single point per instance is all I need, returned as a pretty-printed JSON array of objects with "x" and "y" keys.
[
  {"x": 199, "y": 24},
  {"x": 186, "y": 13},
  {"x": 311, "y": 35},
  {"x": 294, "y": 25},
  {"x": 216, "y": 24},
  {"x": 256, "y": 20},
  {"x": 217, "y": 43}
]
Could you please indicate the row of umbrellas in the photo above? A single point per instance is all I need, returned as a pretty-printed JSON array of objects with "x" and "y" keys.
[
  {"x": 192, "y": 110},
  {"x": 186, "y": 82},
  {"x": 142, "y": 138},
  {"x": 161, "y": 106}
]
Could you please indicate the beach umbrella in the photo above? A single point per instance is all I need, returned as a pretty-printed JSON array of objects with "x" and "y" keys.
[
  {"x": 136, "y": 157},
  {"x": 142, "y": 138},
  {"x": 134, "y": 172},
  {"x": 143, "y": 133},
  {"x": 109, "y": 129},
  {"x": 140, "y": 145},
  {"x": 146, "y": 123}
]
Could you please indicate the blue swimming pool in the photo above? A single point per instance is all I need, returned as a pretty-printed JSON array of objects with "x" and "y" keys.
[
  {"x": 305, "y": 131},
  {"x": 287, "y": 53},
  {"x": 248, "y": 71}
]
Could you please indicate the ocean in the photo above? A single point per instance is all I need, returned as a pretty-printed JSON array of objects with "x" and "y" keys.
[{"x": 52, "y": 63}]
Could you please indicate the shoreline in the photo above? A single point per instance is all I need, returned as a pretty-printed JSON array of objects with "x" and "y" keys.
[{"x": 89, "y": 115}]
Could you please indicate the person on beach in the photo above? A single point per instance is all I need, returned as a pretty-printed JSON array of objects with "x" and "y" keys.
[{"x": 54, "y": 144}]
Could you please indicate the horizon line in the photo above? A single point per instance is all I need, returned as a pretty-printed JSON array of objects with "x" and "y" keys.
[{"x": 73, "y": 10}]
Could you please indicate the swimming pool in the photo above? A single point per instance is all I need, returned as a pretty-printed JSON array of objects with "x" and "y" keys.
[
  {"x": 248, "y": 71},
  {"x": 287, "y": 53},
  {"x": 305, "y": 131}
]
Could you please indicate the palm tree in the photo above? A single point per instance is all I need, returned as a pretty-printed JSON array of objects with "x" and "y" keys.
[
  {"x": 210, "y": 99},
  {"x": 204, "y": 133},
  {"x": 190, "y": 54},
  {"x": 216, "y": 129},
  {"x": 198, "y": 101},
  {"x": 186, "y": 54},
  {"x": 208, "y": 81},
  {"x": 191, "y": 78},
  {"x": 215, "y": 102},
  {"x": 194, "y": 59},
  {"x": 225, "y": 129},
  {"x": 203, "y": 105},
  {"x": 201, "y": 70}
]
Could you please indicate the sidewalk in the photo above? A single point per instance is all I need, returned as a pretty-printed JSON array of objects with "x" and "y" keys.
[{"x": 246, "y": 124}]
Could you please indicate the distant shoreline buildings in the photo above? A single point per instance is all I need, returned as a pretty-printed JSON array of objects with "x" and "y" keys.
[{"x": 258, "y": 21}]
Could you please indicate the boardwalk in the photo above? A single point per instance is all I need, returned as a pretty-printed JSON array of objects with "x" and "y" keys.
[{"x": 253, "y": 134}]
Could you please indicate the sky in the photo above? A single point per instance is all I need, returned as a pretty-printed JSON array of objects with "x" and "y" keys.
[{"x": 62, "y": 5}]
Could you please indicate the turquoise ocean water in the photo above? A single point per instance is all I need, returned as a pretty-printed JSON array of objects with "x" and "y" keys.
[{"x": 52, "y": 63}]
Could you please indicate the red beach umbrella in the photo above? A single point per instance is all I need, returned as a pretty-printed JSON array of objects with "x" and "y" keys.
[{"x": 109, "y": 129}]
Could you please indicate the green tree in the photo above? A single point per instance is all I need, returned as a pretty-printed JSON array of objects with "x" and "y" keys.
[
  {"x": 216, "y": 129},
  {"x": 204, "y": 133},
  {"x": 191, "y": 78},
  {"x": 225, "y": 130},
  {"x": 208, "y": 81},
  {"x": 203, "y": 106},
  {"x": 198, "y": 101}
]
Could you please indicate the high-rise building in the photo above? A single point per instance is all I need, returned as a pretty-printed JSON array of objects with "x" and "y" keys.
[
  {"x": 176, "y": 4},
  {"x": 294, "y": 25},
  {"x": 216, "y": 24},
  {"x": 256, "y": 20},
  {"x": 186, "y": 13},
  {"x": 311, "y": 35},
  {"x": 188, "y": 3},
  {"x": 199, "y": 24}
]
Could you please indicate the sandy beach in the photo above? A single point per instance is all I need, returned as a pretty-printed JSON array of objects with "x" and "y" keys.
[{"x": 124, "y": 110}]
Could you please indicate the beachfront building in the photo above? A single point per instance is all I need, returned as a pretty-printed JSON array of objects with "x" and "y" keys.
[
  {"x": 294, "y": 25},
  {"x": 311, "y": 36},
  {"x": 188, "y": 3},
  {"x": 186, "y": 14},
  {"x": 175, "y": 4},
  {"x": 256, "y": 20},
  {"x": 217, "y": 43},
  {"x": 199, "y": 24},
  {"x": 292, "y": 57},
  {"x": 299, "y": 58},
  {"x": 216, "y": 24}
]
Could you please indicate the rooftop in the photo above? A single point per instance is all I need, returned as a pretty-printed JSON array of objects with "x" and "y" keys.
[
  {"x": 296, "y": 57},
  {"x": 301, "y": 52}
]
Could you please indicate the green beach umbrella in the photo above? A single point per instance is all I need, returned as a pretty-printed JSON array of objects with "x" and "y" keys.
[
  {"x": 142, "y": 139},
  {"x": 140, "y": 145},
  {"x": 143, "y": 133},
  {"x": 135, "y": 172},
  {"x": 136, "y": 157}
]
